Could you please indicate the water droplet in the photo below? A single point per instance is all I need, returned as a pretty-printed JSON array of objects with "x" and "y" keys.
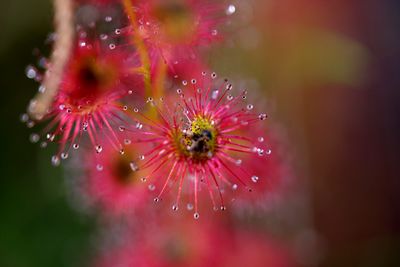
[
  {"x": 108, "y": 19},
  {"x": 238, "y": 162},
  {"x": 189, "y": 206},
  {"x": 213, "y": 75},
  {"x": 125, "y": 108},
  {"x": 42, "y": 89},
  {"x": 55, "y": 161},
  {"x": 75, "y": 146},
  {"x": 24, "y": 117},
  {"x": 223, "y": 208},
  {"x": 214, "y": 94},
  {"x": 111, "y": 46},
  {"x": 254, "y": 178},
  {"x": 99, "y": 167},
  {"x": 230, "y": 10},
  {"x": 130, "y": 92},
  {"x": 143, "y": 179},
  {"x": 234, "y": 187},
  {"x": 136, "y": 110},
  {"x": 141, "y": 157},
  {"x": 268, "y": 152},
  {"x": 184, "y": 82},
  {"x": 262, "y": 116},
  {"x": 193, "y": 81},
  {"x": 31, "y": 72},
  {"x": 134, "y": 166},
  {"x": 99, "y": 148},
  {"x": 122, "y": 128},
  {"x": 156, "y": 199},
  {"x": 34, "y": 138},
  {"x": 229, "y": 97},
  {"x": 250, "y": 107},
  {"x": 214, "y": 32},
  {"x": 127, "y": 141},
  {"x": 196, "y": 215},
  {"x": 260, "y": 139},
  {"x": 152, "y": 187},
  {"x": 117, "y": 31},
  {"x": 64, "y": 155},
  {"x": 175, "y": 207},
  {"x": 103, "y": 37},
  {"x": 121, "y": 151},
  {"x": 43, "y": 144}
]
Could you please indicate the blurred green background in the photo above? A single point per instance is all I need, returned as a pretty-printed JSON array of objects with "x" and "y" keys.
[{"x": 330, "y": 69}]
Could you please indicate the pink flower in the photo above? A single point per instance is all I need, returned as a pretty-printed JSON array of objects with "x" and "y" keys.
[
  {"x": 175, "y": 29},
  {"x": 113, "y": 184},
  {"x": 174, "y": 243},
  {"x": 181, "y": 243},
  {"x": 88, "y": 103},
  {"x": 198, "y": 142}
]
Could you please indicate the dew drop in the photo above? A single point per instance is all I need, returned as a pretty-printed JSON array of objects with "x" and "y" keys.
[
  {"x": 99, "y": 149},
  {"x": 136, "y": 110},
  {"x": 64, "y": 155},
  {"x": 75, "y": 146},
  {"x": 134, "y": 167},
  {"x": 117, "y": 31},
  {"x": 175, "y": 207},
  {"x": 184, "y": 82},
  {"x": 229, "y": 97},
  {"x": 121, "y": 128},
  {"x": 34, "y": 138},
  {"x": 260, "y": 139},
  {"x": 141, "y": 157},
  {"x": 156, "y": 200},
  {"x": 262, "y": 116},
  {"x": 130, "y": 92},
  {"x": 121, "y": 151},
  {"x": 268, "y": 152},
  {"x": 234, "y": 187},
  {"x": 214, "y": 32},
  {"x": 103, "y": 37},
  {"x": 223, "y": 208},
  {"x": 238, "y": 162},
  {"x": 43, "y": 144},
  {"x": 179, "y": 91},
  {"x": 143, "y": 179},
  {"x": 99, "y": 167},
  {"x": 196, "y": 215},
  {"x": 42, "y": 89},
  {"x": 214, "y": 94},
  {"x": 213, "y": 75},
  {"x": 250, "y": 107},
  {"x": 24, "y": 117},
  {"x": 111, "y": 46},
  {"x": 193, "y": 81},
  {"x": 108, "y": 19},
  {"x": 152, "y": 187},
  {"x": 254, "y": 178},
  {"x": 230, "y": 10},
  {"x": 31, "y": 72},
  {"x": 125, "y": 108},
  {"x": 55, "y": 161},
  {"x": 127, "y": 141},
  {"x": 189, "y": 206}
]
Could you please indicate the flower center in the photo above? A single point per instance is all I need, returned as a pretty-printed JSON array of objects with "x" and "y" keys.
[
  {"x": 176, "y": 20},
  {"x": 199, "y": 142},
  {"x": 124, "y": 170}
]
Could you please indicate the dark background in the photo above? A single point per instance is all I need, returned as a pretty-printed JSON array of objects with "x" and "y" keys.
[{"x": 332, "y": 68}]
